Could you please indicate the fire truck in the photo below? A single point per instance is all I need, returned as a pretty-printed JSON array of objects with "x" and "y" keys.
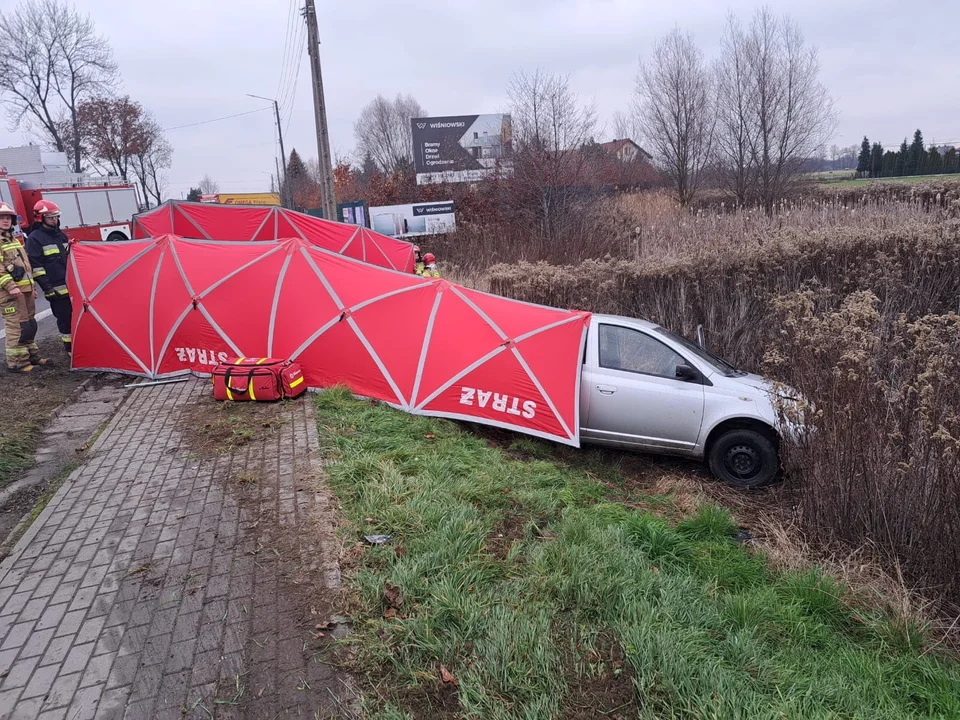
[{"x": 91, "y": 208}]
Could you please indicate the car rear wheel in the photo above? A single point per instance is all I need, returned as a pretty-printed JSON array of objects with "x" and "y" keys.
[
  {"x": 116, "y": 237},
  {"x": 744, "y": 458}
]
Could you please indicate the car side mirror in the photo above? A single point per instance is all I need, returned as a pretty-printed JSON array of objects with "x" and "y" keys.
[{"x": 688, "y": 373}]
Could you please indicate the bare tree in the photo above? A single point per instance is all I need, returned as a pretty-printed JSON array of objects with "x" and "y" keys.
[
  {"x": 674, "y": 104},
  {"x": 155, "y": 155},
  {"x": 787, "y": 113},
  {"x": 735, "y": 128},
  {"x": 624, "y": 125},
  {"x": 113, "y": 132},
  {"x": 51, "y": 60},
  {"x": 209, "y": 186},
  {"x": 550, "y": 127},
  {"x": 29, "y": 59},
  {"x": 384, "y": 133}
]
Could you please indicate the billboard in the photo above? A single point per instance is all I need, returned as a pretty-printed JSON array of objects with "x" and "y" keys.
[
  {"x": 353, "y": 213},
  {"x": 415, "y": 219},
  {"x": 242, "y": 198},
  {"x": 461, "y": 148}
]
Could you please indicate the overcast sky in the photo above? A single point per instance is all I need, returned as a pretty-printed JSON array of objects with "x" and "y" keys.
[{"x": 890, "y": 65}]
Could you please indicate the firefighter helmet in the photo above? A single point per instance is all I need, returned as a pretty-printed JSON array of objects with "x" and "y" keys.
[
  {"x": 5, "y": 209},
  {"x": 44, "y": 208},
  {"x": 429, "y": 259}
]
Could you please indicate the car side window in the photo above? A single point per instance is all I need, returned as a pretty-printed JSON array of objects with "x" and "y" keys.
[{"x": 630, "y": 350}]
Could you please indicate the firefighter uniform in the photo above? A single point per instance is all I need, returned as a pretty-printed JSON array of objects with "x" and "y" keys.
[
  {"x": 47, "y": 248},
  {"x": 418, "y": 269},
  {"x": 430, "y": 271},
  {"x": 18, "y": 310}
]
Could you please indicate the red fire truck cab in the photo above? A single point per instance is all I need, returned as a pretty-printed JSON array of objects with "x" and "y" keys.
[{"x": 90, "y": 208}]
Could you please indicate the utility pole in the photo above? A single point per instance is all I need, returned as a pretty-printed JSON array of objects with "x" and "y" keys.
[
  {"x": 328, "y": 200},
  {"x": 282, "y": 185},
  {"x": 283, "y": 155}
]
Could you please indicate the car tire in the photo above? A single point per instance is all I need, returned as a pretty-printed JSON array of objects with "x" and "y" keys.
[
  {"x": 116, "y": 237},
  {"x": 744, "y": 459}
]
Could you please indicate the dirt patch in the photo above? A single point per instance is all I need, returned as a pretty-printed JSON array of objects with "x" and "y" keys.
[
  {"x": 430, "y": 701},
  {"x": 215, "y": 428},
  {"x": 515, "y": 526},
  {"x": 506, "y": 532},
  {"x": 18, "y": 506},
  {"x": 599, "y": 682}
]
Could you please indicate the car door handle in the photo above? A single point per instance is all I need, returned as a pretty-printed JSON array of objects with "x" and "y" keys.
[{"x": 606, "y": 389}]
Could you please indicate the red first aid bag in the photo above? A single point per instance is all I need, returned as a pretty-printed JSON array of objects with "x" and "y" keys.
[{"x": 257, "y": 379}]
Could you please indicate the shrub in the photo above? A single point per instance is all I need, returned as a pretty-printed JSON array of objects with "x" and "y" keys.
[
  {"x": 883, "y": 464},
  {"x": 853, "y": 307}
]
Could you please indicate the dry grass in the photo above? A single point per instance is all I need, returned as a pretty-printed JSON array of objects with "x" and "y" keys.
[{"x": 651, "y": 226}]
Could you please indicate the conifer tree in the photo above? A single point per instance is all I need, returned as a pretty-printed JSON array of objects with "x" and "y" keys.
[
  {"x": 863, "y": 160},
  {"x": 916, "y": 157},
  {"x": 876, "y": 160},
  {"x": 902, "y": 157},
  {"x": 934, "y": 162}
]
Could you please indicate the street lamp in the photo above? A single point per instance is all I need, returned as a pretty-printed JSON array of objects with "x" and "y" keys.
[{"x": 283, "y": 155}]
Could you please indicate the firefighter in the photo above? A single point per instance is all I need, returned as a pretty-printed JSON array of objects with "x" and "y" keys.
[
  {"x": 47, "y": 248},
  {"x": 418, "y": 261},
  {"x": 430, "y": 266},
  {"x": 17, "y": 298}
]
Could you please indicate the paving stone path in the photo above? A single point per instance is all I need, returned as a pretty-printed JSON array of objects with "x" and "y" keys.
[{"x": 155, "y": 586}]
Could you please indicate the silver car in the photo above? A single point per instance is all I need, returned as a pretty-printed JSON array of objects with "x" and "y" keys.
[{"x": 646, "y": 388}]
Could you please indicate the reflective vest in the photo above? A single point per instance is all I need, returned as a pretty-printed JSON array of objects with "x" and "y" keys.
[
  {"x": 47, "y": 249},
  {"x": 418, "y": 270},
  {"x": 431, "y": 272},
  {"x": 13, "y": 264}
]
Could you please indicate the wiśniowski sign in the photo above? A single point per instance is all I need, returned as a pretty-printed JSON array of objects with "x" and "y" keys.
[{"x": 462, "y": 148}]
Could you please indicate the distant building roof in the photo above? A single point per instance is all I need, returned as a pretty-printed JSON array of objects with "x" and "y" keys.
[{"x": 615, "y": 147}]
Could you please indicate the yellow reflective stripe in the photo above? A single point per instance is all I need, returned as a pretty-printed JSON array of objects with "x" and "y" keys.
[
  {"x": 253, "y": 395},
  {"x": 239, "y": 361},
  {"x": 229, "y": 394},
  {"x": 10, "y": 246},
  {"x": 296, "y": 382},
  {"x": 4, "y": 279},
  {"x": 47, "y": 250},
  {"x": 37, "y": 272},
  {"x": 26, "y": 282},
  {"x": 66, "y": 338},
  {"x": 10, "y": 310},
  {"x": 261, "y": 361}
]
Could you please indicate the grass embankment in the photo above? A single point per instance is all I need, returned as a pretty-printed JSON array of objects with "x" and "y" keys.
[
  {"x": 545, "y": 599},
  {"x": 34, "y": 397}
]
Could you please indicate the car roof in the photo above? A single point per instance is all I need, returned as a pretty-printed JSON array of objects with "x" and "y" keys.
[{"x": 645, "y": 324}]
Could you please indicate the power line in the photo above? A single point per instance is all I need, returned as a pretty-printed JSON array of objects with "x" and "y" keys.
[
  {"x": 296, "y": 76},
  {"x": 297, "y": 48},
  {"x": 286, "y": 61},
  {"x": 225, "y": 117}
]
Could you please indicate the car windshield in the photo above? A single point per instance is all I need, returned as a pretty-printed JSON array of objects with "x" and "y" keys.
[{"x": 715, "y": 361}]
